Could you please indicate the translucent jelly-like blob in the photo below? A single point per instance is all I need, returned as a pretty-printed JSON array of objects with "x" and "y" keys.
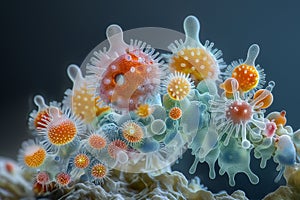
[
  {"x": 204, "y": 148},
  {"x": 193, "y": 118},
  {"x": 285, "y": 153},
  {"x": 81, "y": 99},
  {"x": 265, "y": 151},
  {"x": 191, "y": 57},
  {"x": 115, "y": 146},
  {"x": 234, "y": 159}
]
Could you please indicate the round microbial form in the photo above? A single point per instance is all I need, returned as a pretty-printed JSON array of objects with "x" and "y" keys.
[
  {"x": 158, "y": 127},
  {"x": 81, "y": 161},
  {"x": 247, "y": 76},
  {"x": 127, "y": 74},
  {"x": 63, "y": 179},
  {"x": 42, "y": 178},
  {"x": 265, "y": 102},
  {"x": 175, "y": 113},
  {"x": 202, "y": 62},
  {"x": 115, "y": 147},
  {"x": 98, "y": 172},
  {"x": 62, "y": 128},
  {"x": 178, "y": 86},
  {"x": 62, "y": 133},
  {"x": 144, "y": 110},
  {"x": 246, "y": 73},
  {"x": 96, "y": 141},
  {"x": 236, "y": 116},
  {"x": 277, "y": 117},
  {"x": 132, "y": 132},
  {"x": 32, "y": 155},
  {"x": 227, "y": 85}
]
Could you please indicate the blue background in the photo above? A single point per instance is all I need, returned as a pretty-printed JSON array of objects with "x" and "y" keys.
[{"x": 39, "y": 39}]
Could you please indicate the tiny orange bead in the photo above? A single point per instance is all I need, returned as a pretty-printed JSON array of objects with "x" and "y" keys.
[
  {"x": 266, "y": 101},
  {"x": 175, "y": 113}
]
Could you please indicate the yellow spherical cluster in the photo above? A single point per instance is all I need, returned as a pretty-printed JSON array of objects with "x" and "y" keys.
[{"x": 178, "y": 85}]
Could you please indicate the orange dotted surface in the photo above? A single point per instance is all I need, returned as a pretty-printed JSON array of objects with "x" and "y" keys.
[
  {"x": 195, "y": 61},
  {"x": 247, "y": 76},
  {"x": 62, "y": 133}
]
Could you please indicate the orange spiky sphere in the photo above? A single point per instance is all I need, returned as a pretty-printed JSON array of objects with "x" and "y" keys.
[
  {"x": 81, "y": 161},
  {"x": 62, "y": 133},
  {"x": 175, "y": 113},
  {"x": 247, "y": 77},
  {"x": 98, "y": 171},
  {"x": 132, "y": 132},
  {"x": 34, "y": 156}
]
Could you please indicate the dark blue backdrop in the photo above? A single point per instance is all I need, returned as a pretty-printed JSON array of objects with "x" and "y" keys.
[{"x": 39, "y": 39}]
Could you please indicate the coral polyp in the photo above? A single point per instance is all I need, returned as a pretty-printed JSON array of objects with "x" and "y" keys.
[{"x": 129, "y": 112}]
